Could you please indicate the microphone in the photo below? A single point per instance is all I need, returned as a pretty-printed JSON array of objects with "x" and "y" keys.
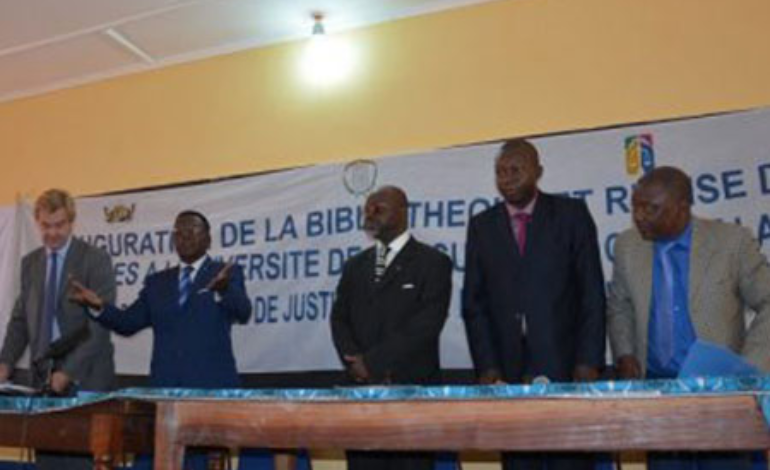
[{"x": 62, "y": 346}]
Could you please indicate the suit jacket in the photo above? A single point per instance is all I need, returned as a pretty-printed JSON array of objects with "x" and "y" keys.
[
  {"x": 396, "y": 323},
  {"x": 727, "y": 274},
  {"x": 191, "y": 344},
  {"x": 541, "y": 313},
  {"x": 90, "y": 363}
]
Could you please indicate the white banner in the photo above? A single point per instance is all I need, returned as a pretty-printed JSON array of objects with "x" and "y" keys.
[
  {"x": 9, "y": 261},
  {"x": 291, "y": 231}
]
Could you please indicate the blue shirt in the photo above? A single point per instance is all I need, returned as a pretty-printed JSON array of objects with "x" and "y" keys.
[
  {"x": 61, "y": 256},
  {"x": 678, "y": 252}
]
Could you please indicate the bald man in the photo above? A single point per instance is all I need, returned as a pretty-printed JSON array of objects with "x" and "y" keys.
[{"x": 390, "y": 307}]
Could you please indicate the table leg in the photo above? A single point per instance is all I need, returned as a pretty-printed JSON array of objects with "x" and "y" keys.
[
  {"x": 106, "y": 440},
  {"x": 169, "y": 453}
]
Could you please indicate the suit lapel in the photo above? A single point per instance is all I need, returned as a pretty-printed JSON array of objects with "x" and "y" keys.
[
  {"x": 537, "y": 232},
  {"x": 399, "y": 264},
  {"x": 368, "y": 269},
  {"x": 74, "y": 254},
  {"x": 204, "y": 275},
  {"x": 172, "y": 285},
  {"x": 641, "y": 258},
  {"x": 37, "y": 295},
  {"x": 701, "y": 250},
  {"x": 504, "y": 232}
]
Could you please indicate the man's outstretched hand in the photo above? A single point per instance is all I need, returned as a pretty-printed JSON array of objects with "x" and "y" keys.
[
  {"x": 84, "y": 296},
  {"x": 222, "y": 279}
]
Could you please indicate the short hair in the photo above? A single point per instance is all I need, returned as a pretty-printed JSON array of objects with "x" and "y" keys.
[
  {"x": 197, "y": 214},
  {"x": 675, "y": 181},
  {"x": 519, "y": 146},
  {"x": 54, "y": 199}
]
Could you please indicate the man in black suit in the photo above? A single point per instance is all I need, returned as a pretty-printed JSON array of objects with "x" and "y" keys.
[
  {"x": 533, "y": 297},
  {"x": 390, "y": 307}
]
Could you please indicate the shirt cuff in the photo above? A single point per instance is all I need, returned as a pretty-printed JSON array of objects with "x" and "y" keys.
[{"x": 95, "y": 313}]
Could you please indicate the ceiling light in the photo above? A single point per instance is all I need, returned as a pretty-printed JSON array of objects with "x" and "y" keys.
[{"x": 326, "y": 60}]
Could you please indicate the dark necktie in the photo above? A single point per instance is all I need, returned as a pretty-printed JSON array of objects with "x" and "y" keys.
[
  {"x": 49, "y": 307},
  {"x": 520, "y": 221},
  {"x": 185, "y": 285},
  {"x": 380, "y": 264}
]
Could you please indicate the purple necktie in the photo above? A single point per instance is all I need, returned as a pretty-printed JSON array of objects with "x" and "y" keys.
[{"x": 520, "y": 221}]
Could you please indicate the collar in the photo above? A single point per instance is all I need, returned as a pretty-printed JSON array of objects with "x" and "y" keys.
[
  {"x": 683, "y": 240},
  {"x": 196, "y": 265},
  {"x": 528, "y": 209},
  {"x": 62, "y": 252},
  {"x": 396, "y": 245}
]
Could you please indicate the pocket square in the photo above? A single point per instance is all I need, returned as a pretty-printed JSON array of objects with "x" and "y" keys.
[{"x": 407, "y": 286}]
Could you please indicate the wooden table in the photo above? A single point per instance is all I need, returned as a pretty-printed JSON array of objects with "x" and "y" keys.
[
  {"x": 733, "y": 422},
  {"x": 106, "y": 430}
]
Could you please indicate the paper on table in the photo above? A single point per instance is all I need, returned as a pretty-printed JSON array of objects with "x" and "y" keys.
[
  {"x": 10, "y": 388},
  {"x": 711, "y": 360}
]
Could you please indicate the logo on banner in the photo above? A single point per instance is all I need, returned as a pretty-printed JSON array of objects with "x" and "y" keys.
[
  {"x": 360, "y": 176},
  {"x": 640, "y": 154},
  {"x": 119, "y": 213}
]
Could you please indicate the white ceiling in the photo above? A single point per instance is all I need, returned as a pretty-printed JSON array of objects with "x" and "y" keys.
[{"x": 47, "y": 45}]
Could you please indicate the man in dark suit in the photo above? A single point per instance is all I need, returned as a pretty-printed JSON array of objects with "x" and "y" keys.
[
  {"x": 43, "y": 313},
  {"x": 390, "y": 307},
  {"x": 190, "y": 309},
  {"x": 533, "y": 297}
]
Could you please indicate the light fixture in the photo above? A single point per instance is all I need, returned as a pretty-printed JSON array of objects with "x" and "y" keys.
[
  {"x": 318, "y": 24},
  {"x": 327, "y": 60}
]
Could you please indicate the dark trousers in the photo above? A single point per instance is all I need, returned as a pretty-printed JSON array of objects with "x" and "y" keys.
[
  {"x": 360, "y": 460},
  {"x": 192, "y": 461},
  {"x": 548, "y": 461},
  {"x": 699, "y": 461},
  {"x": 62, "y": 461}
]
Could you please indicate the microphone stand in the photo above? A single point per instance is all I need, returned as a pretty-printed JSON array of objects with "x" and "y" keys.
[
  {"x": 43, "y": 371},
  {"x": 41, "y": 375},
  {"x": 45, "y": 365}
]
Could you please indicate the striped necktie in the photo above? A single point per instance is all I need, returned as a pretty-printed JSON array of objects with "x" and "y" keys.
[
  {"x": 380, "y": 264},
  {"x": 185, "y": 285}
]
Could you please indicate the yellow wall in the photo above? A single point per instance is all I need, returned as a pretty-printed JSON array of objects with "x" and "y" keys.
[
  {"x": 510, "y": 67},
  {"x": 504, "y": 68}
]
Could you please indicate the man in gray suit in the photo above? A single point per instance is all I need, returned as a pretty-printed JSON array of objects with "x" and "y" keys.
[
  {"x": 678, "y": 279},
  {"x": 43, "y": 313}
]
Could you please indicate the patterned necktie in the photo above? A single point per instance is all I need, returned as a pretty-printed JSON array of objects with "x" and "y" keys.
[
  {"x": 380, "y": 264},
  {"x": 185, "y": 285},
  {"x": 520, "y": 221},
  {"x": 665, "y": 320},
  {"x": 49, "y": 307}
]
